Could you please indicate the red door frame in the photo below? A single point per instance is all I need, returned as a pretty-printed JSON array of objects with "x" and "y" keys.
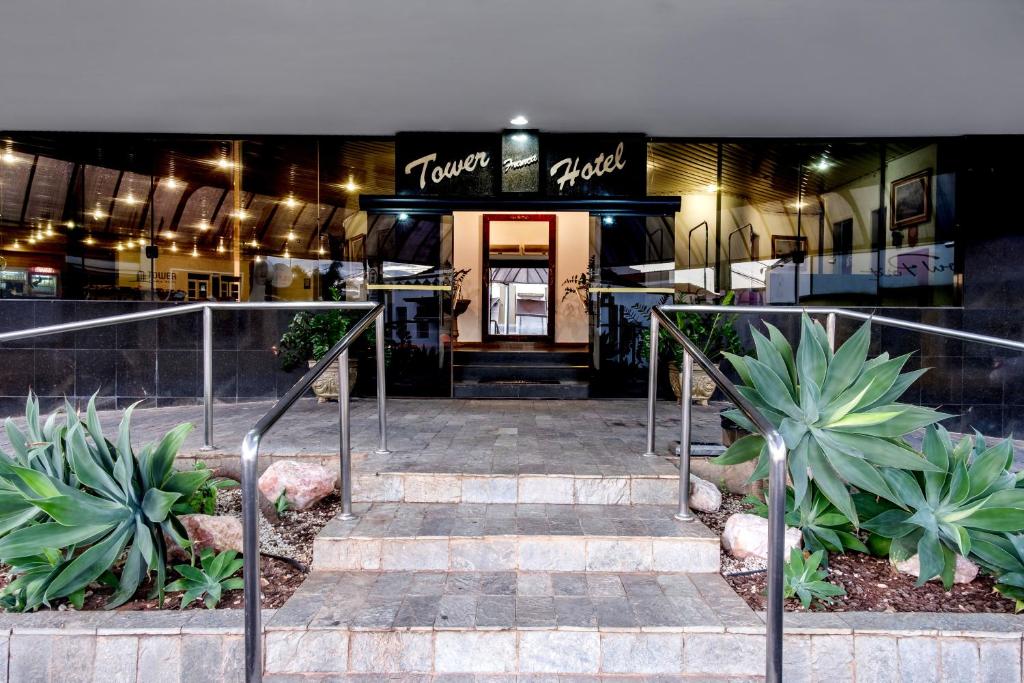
[{"x": 551, "y": 220}]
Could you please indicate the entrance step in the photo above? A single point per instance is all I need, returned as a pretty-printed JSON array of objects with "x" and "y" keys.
[
  {"x": 441, "y": 624},
  {"x": 512, "y": 370},
  {"x": 556, "y": 489},
  {"x": 507, "y": 537}
]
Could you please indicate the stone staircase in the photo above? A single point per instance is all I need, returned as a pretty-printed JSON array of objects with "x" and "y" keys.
[
  {"x": 458, "y": 569},
  {"x": 522, "y": 370}
]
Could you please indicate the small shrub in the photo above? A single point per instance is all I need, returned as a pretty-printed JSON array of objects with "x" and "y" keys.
[
  {"x": 204, "y": 500},
  {"x": 822, "y": 526},
  {"x": 804, "y": 579},
  {"x": 208, "y": 581}
]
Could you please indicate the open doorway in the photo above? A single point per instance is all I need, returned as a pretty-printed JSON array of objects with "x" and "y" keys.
[{"x": 519, "y": 270}]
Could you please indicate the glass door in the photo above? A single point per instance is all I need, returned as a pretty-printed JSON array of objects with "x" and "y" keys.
[{"x": 519, "y": 270}]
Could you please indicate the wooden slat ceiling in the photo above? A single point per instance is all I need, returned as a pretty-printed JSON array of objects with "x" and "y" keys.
[{"x": 764, "y": 173}]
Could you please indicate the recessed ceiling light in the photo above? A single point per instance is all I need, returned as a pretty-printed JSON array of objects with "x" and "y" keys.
[
  {"x": 608, "y": 220},
  {"x": 520, "y": 137},
  {"x": 290, "y": 202},
  {"x": 711, "y": 187},
  {"x": 823, "y": 164},
  {"x": 403, "y": 216},
  {"x": 519, "y": 120},
  {"x": 798, "y": 205}
]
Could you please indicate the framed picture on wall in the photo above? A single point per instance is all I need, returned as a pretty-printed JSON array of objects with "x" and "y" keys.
[
  {"x": 357, "y": 248},
  {"x": 911, "y": 200},
  {"x": 793, "y": 247}
]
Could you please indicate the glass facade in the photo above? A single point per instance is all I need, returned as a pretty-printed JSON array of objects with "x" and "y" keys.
[{"x": 91, "y": 223}]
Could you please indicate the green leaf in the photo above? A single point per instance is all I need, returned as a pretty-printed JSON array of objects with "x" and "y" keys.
[
  {"x": 739, "y": 364},
  {"x": 161, "y": 460},
  {"x": 186, "y": 483},
  {"x": 782, "y": 345},
  {"x": 88, "y": 471},
  {"x": 875, "y": 450},
  {"x": 83, "y": 509},
  {"x": 90, "y": 564},
  {"x": 930, "y": 556},
  {"x": 742, "y": 450},
  {"x": 92, "y": 421},
  {"x": 828, "y": 480},
  {"x": 768, "y": 384},
  {"x": 768, "y": 354},
  {"x": 29, "y": 540},
  {"x": 156, "y": 504},
  {"x": 811, "y": 361},
  {"x": 847, "y": 363}
]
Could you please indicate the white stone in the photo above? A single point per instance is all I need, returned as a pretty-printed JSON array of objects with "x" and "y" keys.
[
  {"x": 391, "y": 651},
  {"x": 346, "y": 554},
  {"x": 220, "y": 532},
  {"x": 493, "y": 490},
  {"x": 619, "y": 555},
  {"x": 747, "y": 536},
  {"x": 964, "y": 572},
  {"x": 473, "y": 554},
  {"x": 116, "y": 658},
  {"x": 641, "y": 653},
  {"x": 602, "y": 490},
  {"x": 474, "y": 652},
  {"x": 704, "y": 495},
  {"x": 544, "y": 489},
  {"x": 303, "y": 484},
  {"x": 653, "y": 491},
  {"x": 432, "y": 488},
  {"x": 685, "y": 555},
  {"x": 323, "y": 651},
  {"x": 414, "y": 554},
  {"x": 557, "y": 553},
  {"x": 573, "y": 652}
]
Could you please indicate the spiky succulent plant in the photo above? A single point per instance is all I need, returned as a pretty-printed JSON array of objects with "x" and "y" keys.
[
  {"x": 838, "y": 413},
  {"x": 954, "y": 509},
  {"x": 119, "y": 505}
]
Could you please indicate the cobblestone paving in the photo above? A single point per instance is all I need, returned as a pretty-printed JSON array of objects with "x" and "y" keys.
[{"x": 523, "y": 600}]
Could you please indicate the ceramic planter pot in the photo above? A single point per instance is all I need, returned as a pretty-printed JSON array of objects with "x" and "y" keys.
[
  {"x": 326, "y": 385},
  {"x": 701, "y": 384}
]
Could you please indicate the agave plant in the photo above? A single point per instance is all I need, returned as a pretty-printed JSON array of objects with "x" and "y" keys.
[
  {"x": 214, "y": 575},
  {"x": 836, "y": 412},
  {"x": 120, "y": 506},
  {"x": 1003, "y": 555},
  {"x": 954, "y": 508},
  {"x": 804, "y": 579},
  {"x": 41, "y": 449},
  {"x": 821, "y": 525}
]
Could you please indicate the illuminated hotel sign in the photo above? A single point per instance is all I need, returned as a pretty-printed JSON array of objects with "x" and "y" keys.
[{"x": 521, "y": 162}]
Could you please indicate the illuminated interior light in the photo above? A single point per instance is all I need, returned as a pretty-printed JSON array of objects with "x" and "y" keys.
[
  {"x": 520, "y": 137},
  {"x": 130, "y": 243},
  {"x": 70, "y": 225},
  {"x": 167, "y": 234},
  {"x": 403, "y": 216},
  {"x": 285, "y": 254},
  {"x": 195, "y": 251},
  {"x": 321, "y": 251},
  {"x": 222, "y": 162},
  {"x": 220, "y": 246},
  {"x": 799, "y": 205},
  {"x": 98, "y": 214},
  {"x": 519, "y": 120},
  {"x": 290, "y": 202},
  {"x": 291, "y": 236},
  {"x": 119, "y": 247},
  {"x": 130, "y": 199},
  {"x": 351, "y": 185},
  {"x": 609, "y": 220},
  {"x": 16, "y": 244},
  {"x": 9, "y": 157},
  {"x": 258, "y": 259},
  {"x": 254, "y": 243},
  {"x": 174, "y": 247},
  {"x": 90, "y": 240},
  {"x": 171, "y": 183},
  {"x": 711, "y": 187},
  {"x": 823, "y": 165},
  {"x": 204, "y": 225},
  {"x": 49, "y": 229}
]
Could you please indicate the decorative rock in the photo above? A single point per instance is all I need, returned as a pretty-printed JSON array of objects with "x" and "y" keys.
[
  {"x": 302, "y": 484},
  {"x": 965, "y": 571},
  {"x": 747, "y": 535},
  {"x": 704, "y": 495},
  {"x": 733, "y": 478},
  {"x": 220, "y": 532}
]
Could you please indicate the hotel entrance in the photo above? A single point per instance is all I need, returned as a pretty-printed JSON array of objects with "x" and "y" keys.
[{"x": 519, "y": 272}]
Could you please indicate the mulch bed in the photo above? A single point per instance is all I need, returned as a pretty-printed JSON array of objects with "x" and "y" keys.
[
  {"x": 872, "y": 584},
  {"x": 290, "y": 537}
]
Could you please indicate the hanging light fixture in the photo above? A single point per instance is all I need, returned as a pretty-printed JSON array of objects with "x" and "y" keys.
[
  {"x": 119, "y": 247},
  {"x": 195, "y": 250},
  {"x": 174, "y": 247},
  {"x": 89, "y": 239},
  {"x": 70, "y": 225},
  {"x": 220, "y": 246},
  {"x": 290, "y": 201},
  {"x": 254, "y": 243},
  {"x": 291, "y": 235},
  {"x": 204, "y": 225}
]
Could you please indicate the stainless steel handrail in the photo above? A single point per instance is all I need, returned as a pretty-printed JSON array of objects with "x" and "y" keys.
[
  {"x": 250, "y": 459},
  {"x": 776, "y": 447},
  {"x": 207, "y": 308},
  {"x": 776, "y": 472}
]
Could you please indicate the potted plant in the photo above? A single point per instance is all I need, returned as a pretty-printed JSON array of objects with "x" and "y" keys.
[
  {"x": 579, "y": 285},
  {"x": 715, "y": 335},
  {"x": 308, "y": 337}
]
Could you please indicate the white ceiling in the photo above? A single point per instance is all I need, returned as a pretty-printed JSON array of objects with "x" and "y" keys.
[{"x": 666, "y": 67}]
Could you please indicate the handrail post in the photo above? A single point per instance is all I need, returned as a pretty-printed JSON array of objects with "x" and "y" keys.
[
  {"x": 382, "y": 417},
  {"x": 830, "y": 330},
  {"x": 251, "y": 560},
  {"x": 345, "y": 434},
  {"x": 685, "y": 378},
  {"x": 776, "y": 550},
  {"x": 652, "y": 383},
  {"x": 207, "y": 379}
]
